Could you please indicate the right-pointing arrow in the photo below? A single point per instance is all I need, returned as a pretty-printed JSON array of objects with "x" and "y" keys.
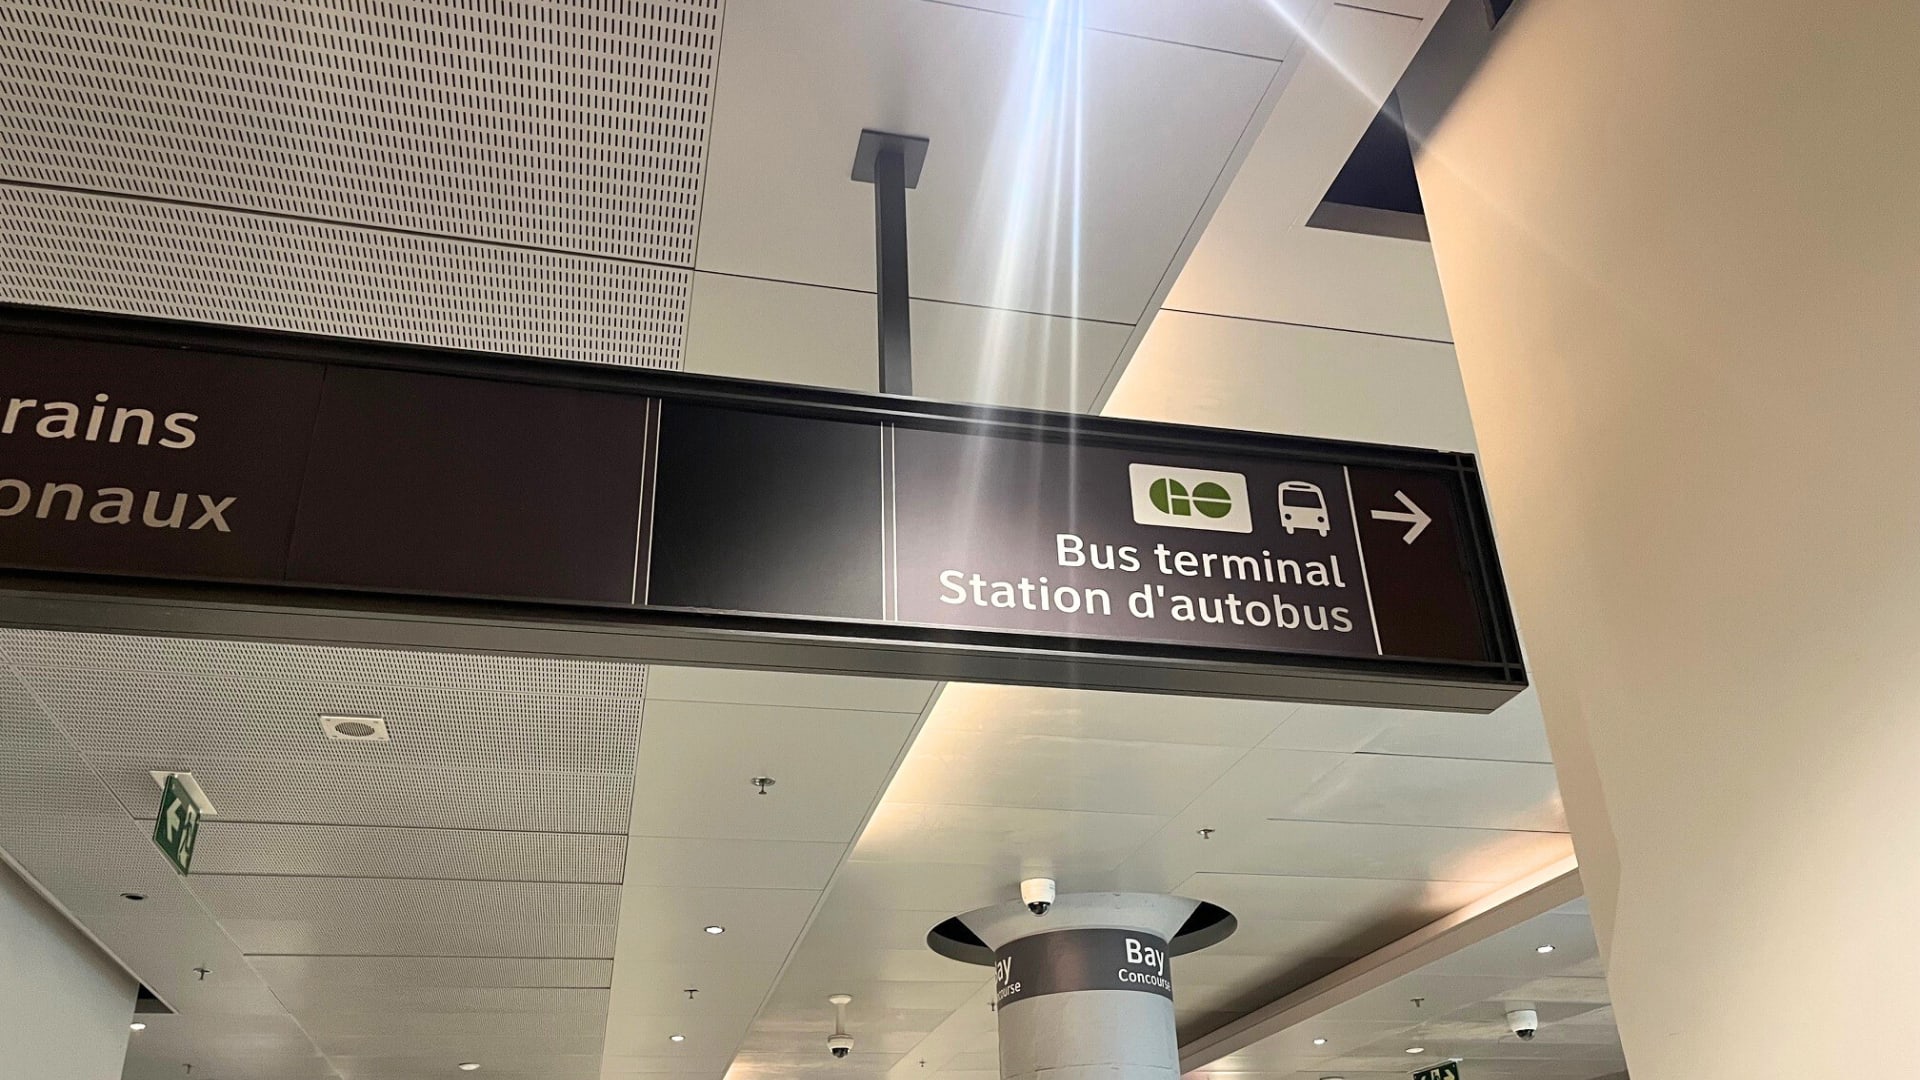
[{"x": 1414, "y": 516}]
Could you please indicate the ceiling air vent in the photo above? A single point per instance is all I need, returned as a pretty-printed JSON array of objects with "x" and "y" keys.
[{"x": 354, "y": 728}]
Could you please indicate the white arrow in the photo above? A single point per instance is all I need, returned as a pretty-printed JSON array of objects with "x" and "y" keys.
[
  {"x": 174, "y": 814},
  {"x": 1415, "y": 517}
]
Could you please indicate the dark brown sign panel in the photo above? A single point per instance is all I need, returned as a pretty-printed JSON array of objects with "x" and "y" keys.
[
  {"x": 1092, "y": 958},
  {"x": 977, "y": 543}
]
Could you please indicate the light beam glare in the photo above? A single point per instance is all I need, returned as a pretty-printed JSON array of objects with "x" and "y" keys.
[{"x": 1024, "y": 235}]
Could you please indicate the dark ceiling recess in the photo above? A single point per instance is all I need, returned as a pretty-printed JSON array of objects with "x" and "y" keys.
[
  {"x": 1499, "y": 8},
  {"x": 1379, "y": 174}
]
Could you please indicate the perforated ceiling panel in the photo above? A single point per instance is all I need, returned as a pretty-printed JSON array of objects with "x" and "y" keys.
[
  {"x": 371, "y": 852},
  {"x": 186, "y": 262},
  {"x": 501, "y": 743},
  {"x": 571, "y": 126}
]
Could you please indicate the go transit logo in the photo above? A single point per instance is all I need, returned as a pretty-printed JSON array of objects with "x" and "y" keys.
[{"x": 1190, "y": 498}]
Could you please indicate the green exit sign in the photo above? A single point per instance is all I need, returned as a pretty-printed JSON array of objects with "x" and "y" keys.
[
  {"x": 178, "y": 825},
  {"x": 1446, "y": 1070}
]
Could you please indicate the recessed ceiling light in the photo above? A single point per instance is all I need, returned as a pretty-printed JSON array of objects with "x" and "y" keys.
[
  {"x": 1319, "y": 1042},
  {"x": 676, "y": 1038},
  {"x": 133, "y": 896},
  {"x": 1543, "y": 949},
  {"x": 137, "y": 1026},
  {"x": 1416, "y": 1049},
  {"x": 716, "y": 929},
  {"x": 468, "y": 1066}
]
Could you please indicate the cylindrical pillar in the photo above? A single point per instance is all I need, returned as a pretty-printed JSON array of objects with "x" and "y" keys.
[{"x": 1085, "y": 992}]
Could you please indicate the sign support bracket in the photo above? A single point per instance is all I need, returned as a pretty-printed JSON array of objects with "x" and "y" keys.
[{"x": 891, "y": 163}]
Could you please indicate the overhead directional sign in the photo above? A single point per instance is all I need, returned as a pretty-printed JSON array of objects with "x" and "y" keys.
[
  {"x": 313, "y": 488},
  {"x": 1446, "y": 1070},
  {"x": 177, "y": 826}
]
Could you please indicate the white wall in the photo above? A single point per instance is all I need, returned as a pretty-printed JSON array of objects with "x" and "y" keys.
[
  {"x": 1680, "y": 248},
  {"x": 64, "y": 1006}
]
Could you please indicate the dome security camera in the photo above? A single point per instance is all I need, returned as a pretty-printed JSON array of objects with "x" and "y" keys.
[
  {"x": 1523, "y": 1022},
  {"x": 1037, "y": 893}
]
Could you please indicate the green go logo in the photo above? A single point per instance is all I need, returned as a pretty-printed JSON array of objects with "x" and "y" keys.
[
  {"x": 1170, "y": 496},
  {"x": 1180, "y": 498}
]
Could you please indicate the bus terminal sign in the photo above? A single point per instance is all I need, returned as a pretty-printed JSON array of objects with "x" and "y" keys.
[{"x": 780, "y": 526}]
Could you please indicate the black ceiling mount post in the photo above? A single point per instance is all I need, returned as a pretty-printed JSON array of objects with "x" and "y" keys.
[{"x": 891, "y": 163}]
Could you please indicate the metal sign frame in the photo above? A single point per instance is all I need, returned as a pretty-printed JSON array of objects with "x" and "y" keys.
[{"x": 68, "y": 601}]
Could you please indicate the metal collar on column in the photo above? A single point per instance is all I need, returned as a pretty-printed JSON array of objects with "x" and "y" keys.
[{"x": 1194, "y": 924}]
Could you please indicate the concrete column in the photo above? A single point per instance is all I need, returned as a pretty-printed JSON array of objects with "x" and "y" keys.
[
  {"x": 1086, "y": 992},
  {"x": 64, "y": 1006},
  {"x": 1680, "y": 247}
]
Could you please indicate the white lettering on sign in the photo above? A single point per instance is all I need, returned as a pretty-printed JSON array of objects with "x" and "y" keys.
[
  {"x": 1148, "y": 603},
  {"x": 1146, "y": 955},
  {"x": 62, "y": 501},
  {"x": 1003, "y": 979},
  {"x": 61, "y": 420}
]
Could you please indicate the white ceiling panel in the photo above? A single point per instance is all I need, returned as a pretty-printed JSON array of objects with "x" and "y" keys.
[
  {"x": 658, "y": 987},
  {"x": 329, "y": 1000},
  {"x": 393, "y": 900},
  {"x": 1296, "y": 380},
  {"x": 346, "y": 935},
  {"x": 489, "y": 743},
  {"x": 1321, "y": 277},
  {"x": 914, "y": 965},
  {"x": 430, "y": 971},
  {"x": 1257, "y": 898},
  {"x": 1097, "y": 714},
  {"x": 706, "y": 1029},
  {"x": 1338, "y": 729},
  {"x": 682, "y": 1063},
  {"x": 1012, "y": 358},
  {"x": 733, "y": 864},
  {"x": 1017, "y": 841},
  {"x": 735, "y": 687},
  {"x": 1449, "y": 792},
  {"x": 696, "y": 760},
  {"x": 1356, "y": 57},
  {"x": 844, "y": 926},
  {"x": 781, "y": 332},
  {"x": 529, "y": 124},
  {"x": 1255, "y": 27},
  {"x": 875, "y": 998},
  {"x": 144, "y": 1065},
  {"x": 668, "y": 924},
  {"x": 234, "y": 847},
  {"x": 959, "y": 766},
  {"x": 512, "y": 1065},
  {"x": 428, "y": 1026},
  {"x": 443, "y": 710},
  {"x": 1514, "y": 732},
  {"x": 1455, "y": 1008},
  {"x": 168, "y": 260},
  {"x": 330, "y": 788},
  {"x": 1002, "y": 99},
  {"x": 803, "y": 1039},
  {"x": 875, "y": 884},
  {"x": 1350, "y": 850}
]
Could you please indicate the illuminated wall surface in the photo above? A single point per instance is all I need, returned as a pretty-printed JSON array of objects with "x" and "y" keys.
[{"x": 1678, "y": 247}]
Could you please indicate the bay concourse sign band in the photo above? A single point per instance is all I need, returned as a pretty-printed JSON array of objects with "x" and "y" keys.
[{"x": 318, "y": 481}]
